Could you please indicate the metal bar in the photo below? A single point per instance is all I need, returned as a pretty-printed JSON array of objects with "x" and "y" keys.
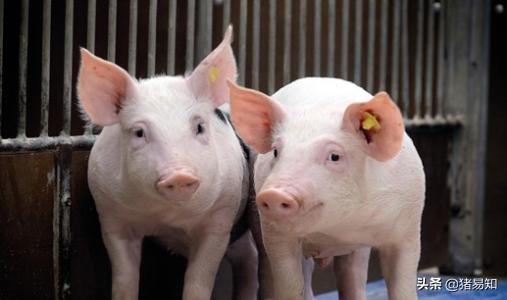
[
  {"x": 242, "y": 40},
  {"x": 111, "y": 33},
  {"x": 383, "y": 47},
  {"x": 45, "y": 74},
  {"x": 370, "y": 63},
  {"x": 395, "y": 52},
  {"x": 344, "y": 60},
  {"x": 418, "y": 58},
  {"x": 441, "y": 62},
  {"x": 256, "y": 44},
  {"x": 171, "y": 36},
  {"x": 23, "y": 56},
  {"x": 67, "y": 67},
  {"x": 358, "y": 29},
  {"x": 189, "y": 56},
  {"x": 152, "y": 38},
  {"x": 317, "y": 36},
  {"x": 132, "y": 38},
  {"x": 429, "y": 61},
  {"x": 204, "y": 27},
  {"x": 226, "y": 14},
  {"x": 331, "y": 24},
  {"x": 287, "y": 41},
  {"x": 46, "y": 142},
  {"x": 90, "y": 33},
  {"x": 61, "y": 222},
  {"x": 272, "y": 46},
  {"x": 405, "y": 79},
  {"x": 302, "y": 38},
  {"x": 1, "y": 59}
]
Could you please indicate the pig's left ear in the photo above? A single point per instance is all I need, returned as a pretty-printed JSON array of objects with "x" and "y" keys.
[
  {"x": 209, "y": 79},
  {"x": 379, "y": 123}
]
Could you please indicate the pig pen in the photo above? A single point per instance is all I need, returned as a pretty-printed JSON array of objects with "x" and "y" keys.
[{"x": 433, "y": 57}]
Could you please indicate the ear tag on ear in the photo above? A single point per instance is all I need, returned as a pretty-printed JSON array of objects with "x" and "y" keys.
[
  {"x": 213, "y": 74},
  {"x": 370, "y": 121}
]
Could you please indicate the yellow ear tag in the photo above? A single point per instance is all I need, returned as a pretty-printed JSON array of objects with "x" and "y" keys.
[
  {"x": 214, "y": 72},
  {"x": 370, "y": 121}
]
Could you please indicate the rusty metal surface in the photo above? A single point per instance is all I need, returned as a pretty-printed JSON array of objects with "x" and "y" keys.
[{"x": 27, "y": 187}]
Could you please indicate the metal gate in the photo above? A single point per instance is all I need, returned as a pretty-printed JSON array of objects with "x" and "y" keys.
[{"x": 431, "y": 56}]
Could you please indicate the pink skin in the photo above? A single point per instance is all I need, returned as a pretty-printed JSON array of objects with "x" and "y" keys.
[
  {"x": 328, "y": 186},
  {"x": 166, "y": 166}
]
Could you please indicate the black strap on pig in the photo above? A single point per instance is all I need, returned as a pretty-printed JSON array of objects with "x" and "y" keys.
[{"x": 241, "y": 225}]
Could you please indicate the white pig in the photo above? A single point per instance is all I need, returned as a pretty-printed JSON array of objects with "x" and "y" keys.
[
  {"x": 336, "y": 174},
  {"x": 168, "y": 164}
]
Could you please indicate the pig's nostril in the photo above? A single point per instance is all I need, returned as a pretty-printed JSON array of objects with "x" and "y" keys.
[
  {"x": 265, "y": 205},
  {"x": 170, "y": 186},
  {"x": 285, "y": 205}
]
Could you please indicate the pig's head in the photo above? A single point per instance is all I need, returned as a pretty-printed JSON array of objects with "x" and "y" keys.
[
  {"x": 168, "y": 127},
  {"x": 312, "y": 162}
]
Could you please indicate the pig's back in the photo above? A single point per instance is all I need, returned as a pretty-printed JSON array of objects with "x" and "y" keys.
[{"x": 320, "y": 91}]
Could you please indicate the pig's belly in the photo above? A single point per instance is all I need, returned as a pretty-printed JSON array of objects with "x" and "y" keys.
[{"x": 319, "y": 245}]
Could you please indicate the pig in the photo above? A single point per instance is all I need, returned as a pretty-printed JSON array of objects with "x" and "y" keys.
[
  {"x": 168, "y": 165},
  {"x": 335, "y": 175}
]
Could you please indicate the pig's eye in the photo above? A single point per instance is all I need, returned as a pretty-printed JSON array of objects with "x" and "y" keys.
[
  {"x": 334, "y": 157},
  {"x": 275, "y": 152},
  {"x": 139, "y": 132},
  {"x": 199, "y": 129}
]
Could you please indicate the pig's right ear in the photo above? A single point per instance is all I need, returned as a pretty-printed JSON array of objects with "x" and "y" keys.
[
  {"x": 254, "y": 116},
  {"x": 102, "y": 87}
]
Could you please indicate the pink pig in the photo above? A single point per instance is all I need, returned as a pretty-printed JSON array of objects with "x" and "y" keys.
[
  {"x": 168, "y": 164},
  {"x": 336, "y": 174}
]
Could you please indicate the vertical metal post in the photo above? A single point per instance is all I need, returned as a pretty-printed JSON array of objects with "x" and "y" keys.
[
  {"x": 383, "y": 46},
  {"x": 111, "y": 33},
  {"x": 226, "y": 15},
  {"x": 45, "y": 76},
  {"x": 287, "y": 41},
  {"x": 90, "y": 33},
  {"x": 428, "y": 101},
  {"x": 317, "y": 25},
  {"x": 132, "y": 55},
  {"x": 358, "y": 32},
  {"x": 242, "y": 40},
  {"x": 468, "y": 23},
  {"x": 171, "y": 36},
  {"x": 23, "y": 56},
  {"x": 272, "y": 46},
  {"x": 395, "y": 51},
  {"x": 344, "y": 60},
  {"x": 370, "y": 60},
  {"x": 189, "y": 56},
  {"x": 442, "y": 12},
  {"x": 152, "y": 37},
  {"x": 1, "y": 59},
  {"x": 405, "y": 83},
  {"x": 61, "y": 222},
  {"x": 418, "y": 59},
  {"x": 302, "y": 38},
  {"x": 204, "y": 29},
  {"x": 331, "y": 25},
  {"x": 67, "y": 67},
  {"x": 255, "y": 44}
]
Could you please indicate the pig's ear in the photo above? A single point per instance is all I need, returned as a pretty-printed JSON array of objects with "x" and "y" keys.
[
  {"x": 101, "y": 88},
  {"x": 254, "y": 116},
  {"x": 379, "y": 123},
  {"x": 209, "y": 79}
]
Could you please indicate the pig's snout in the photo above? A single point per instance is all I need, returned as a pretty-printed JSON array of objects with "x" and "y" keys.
[
  {"x": 277, "y": 204},
  {"x": 178, "y": 184}
]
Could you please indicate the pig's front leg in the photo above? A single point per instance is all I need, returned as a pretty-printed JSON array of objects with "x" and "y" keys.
[
  {"x": 203, "y": 262},
  {"x": 285, "y": 257},
  {"x": 399, "y": 266},
  {"x": 125, "y": 256},
  {"x": 351, "y": 273}
]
